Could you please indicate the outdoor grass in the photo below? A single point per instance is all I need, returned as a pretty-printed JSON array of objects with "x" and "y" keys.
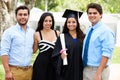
[
  {"x": 115, "y": 60},
  {"x": 116, "y": 56}
]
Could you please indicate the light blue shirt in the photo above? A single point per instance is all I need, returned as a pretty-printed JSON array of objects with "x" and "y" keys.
[
  {"x": 17, "y": 44},
  {"x": 101, "y": 44}
]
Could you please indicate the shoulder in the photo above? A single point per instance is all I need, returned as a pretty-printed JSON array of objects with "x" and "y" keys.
[
  {"x": 58, "y": 32},
  {"x": 31, "y": 29},
  {"x": 107, "y": 29},
  {"x": 9, "y": 30},
  {"x": 36, "y": 34},
  {"x": 106, "y": 32}
]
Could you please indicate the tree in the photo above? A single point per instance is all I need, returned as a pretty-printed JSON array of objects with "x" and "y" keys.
[
  {"x": 7, "y": 12},
  {"x": 6, "y": 16},
  {"x": 30, "y": 3},
  {"x": 7, "y": 8},
  {"x": 51, "y": 4},
  {"x": 109, "y": 6}
]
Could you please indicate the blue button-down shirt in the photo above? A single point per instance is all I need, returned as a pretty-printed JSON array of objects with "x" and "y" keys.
[
  {"x": 101, "y": 44},
  {"x": 17, "y": 44}
]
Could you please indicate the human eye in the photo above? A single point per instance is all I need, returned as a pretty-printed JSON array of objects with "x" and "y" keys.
[
  {"x": 45, "y": 20},
  {"x": 50, "y": 20},
  {"x": 89, "y": 13},
  {"x": 73, "y": 21},
  {"x": 20, "y": 14},
  {"x": 25, "y": 14},
  {"x": 94, "y": 12},
  {"x": 68, "y": 22}
]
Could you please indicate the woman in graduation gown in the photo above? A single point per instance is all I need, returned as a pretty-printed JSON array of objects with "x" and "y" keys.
[{"x": 73, "y": 42}]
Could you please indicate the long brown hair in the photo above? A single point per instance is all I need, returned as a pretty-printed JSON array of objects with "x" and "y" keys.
[{"x": 80, "y": 34}]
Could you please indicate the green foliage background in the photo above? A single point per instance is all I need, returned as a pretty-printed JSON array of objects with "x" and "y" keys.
[{"x": 109, "y": 6}]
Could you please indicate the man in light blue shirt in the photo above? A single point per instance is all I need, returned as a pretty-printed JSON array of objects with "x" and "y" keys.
[
  {"x": 100, "y": 46},
  {"x": 16, "y": 47}
]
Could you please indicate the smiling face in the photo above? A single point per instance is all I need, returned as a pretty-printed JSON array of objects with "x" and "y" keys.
[
  {"x": 71, "y": 24},
  {"x": 22, "y": 17},
  {"x": 47, "y": 22},
  {"x": 94, "y": 16}
]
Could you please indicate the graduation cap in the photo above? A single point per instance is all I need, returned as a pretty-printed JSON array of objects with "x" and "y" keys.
[{"x": 72, "y": 13}]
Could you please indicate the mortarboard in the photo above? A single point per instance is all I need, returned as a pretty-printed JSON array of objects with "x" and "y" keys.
[{"x": 72, "y": 13}]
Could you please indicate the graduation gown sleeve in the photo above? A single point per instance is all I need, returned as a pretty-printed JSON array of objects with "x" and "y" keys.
[{"x": 56, "y": 58}]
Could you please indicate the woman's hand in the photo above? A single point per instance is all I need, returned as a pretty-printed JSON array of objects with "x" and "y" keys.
[{"x": 63, "y": 55}]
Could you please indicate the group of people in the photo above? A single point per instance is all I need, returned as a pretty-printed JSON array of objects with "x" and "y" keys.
[{"x": 88, "y": 55}]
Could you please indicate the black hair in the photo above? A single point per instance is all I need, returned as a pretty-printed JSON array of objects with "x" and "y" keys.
[
  {"x": 41, "y": 20},
  {"x": 22, "y": 7},
  {"x": 98, "y": 7}
]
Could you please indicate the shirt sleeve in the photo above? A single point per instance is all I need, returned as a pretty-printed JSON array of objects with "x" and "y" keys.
[
  {"x": 108, "y": 42},
  {"x": 5, "y": 43}
]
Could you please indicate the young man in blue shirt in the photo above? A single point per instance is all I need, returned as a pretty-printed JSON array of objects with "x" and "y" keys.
[
  {"x": 16, "y": 47},
  {"x": 100, "y": 45}
]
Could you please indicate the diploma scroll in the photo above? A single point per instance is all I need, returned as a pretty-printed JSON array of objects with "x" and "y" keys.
[{"x": 62, "y": 39}]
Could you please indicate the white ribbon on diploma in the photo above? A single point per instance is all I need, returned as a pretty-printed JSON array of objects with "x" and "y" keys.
[{"x": 62, "y": 39}]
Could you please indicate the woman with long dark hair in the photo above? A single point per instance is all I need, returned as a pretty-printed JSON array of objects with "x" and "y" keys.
[
  {"x": 73, "y": 42},
  {"x": 44, "y": 40}
]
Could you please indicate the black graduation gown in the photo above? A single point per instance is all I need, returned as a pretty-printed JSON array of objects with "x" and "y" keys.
[{"x": 74, "y": 69}]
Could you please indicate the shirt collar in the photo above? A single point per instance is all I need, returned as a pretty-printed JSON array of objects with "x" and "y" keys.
[
  {"x": 20, "y": 28},
  {"x": 97, "y": 25}
]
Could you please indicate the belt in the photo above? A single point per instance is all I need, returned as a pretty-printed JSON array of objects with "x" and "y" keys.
[
  {"x": 94, "y": 66},
  {"x": 21, "y": 67}
]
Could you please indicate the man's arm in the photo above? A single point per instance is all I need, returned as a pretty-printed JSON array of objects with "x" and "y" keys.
[
  {"x": 101, "y": 67},
  {"x": 8, "y": 73}
]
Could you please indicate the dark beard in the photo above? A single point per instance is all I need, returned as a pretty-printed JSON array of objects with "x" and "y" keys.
[{"x": 22, "y": 24}]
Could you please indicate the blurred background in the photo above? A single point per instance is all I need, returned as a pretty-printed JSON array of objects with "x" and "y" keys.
[{"x": 111, "y": 17}]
